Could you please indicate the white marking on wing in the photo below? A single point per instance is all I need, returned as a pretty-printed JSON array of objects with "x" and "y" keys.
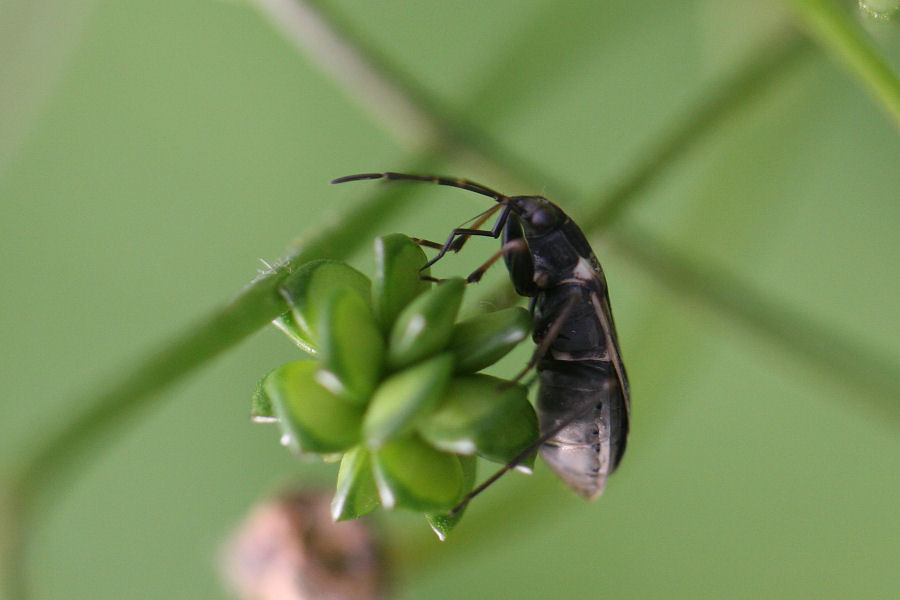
[{"x": 583, "y": 270}]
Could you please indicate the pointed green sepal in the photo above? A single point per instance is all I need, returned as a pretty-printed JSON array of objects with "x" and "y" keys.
[
  {"x": 261, "y": 410},
  {"x": 411, "y": 474},
  {"x": 351, "y": 347},
  {"x": 398, "y": 261},
  {"x": 424, "y": 327},
  {"x": 356, "y": 494},
  {"x": 311, "y": 417},
  {"x": 485, "y": 339},
  {"x": 288, "y": 325},
  {"x": 403, "y": 398},
  {"x": 442, "y": 523},
  {"x": 309, "y": 289},
  {"x": 484, "y": 415}
]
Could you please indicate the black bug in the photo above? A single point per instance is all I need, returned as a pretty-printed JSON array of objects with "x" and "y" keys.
[{"x": 583, "y": 402}]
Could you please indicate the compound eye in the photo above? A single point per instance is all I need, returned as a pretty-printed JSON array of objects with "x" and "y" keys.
[{"x": 541, "y": 219}]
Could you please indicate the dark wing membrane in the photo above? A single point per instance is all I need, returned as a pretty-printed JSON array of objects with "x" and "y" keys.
[{"x": 604, "y": 315}]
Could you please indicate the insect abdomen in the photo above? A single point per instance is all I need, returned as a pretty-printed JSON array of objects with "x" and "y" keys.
[{"x": 589, "y": 448}]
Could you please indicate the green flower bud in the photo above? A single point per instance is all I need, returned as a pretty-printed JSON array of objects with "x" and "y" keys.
[
  {"x": 484, "y": 415},
  {"x": 481, "y": 341},
  {"x": 356, "y": 494},
  {"x": 309, "y": 289},
  {"x": 312, "y": 418},
  {"x": 352, "y": 349},
  {"x": 398, "y": 261},
  {"x": 424, "y": 327},
  {"x": 405, "y": 397},
  {"x": 411, "y": 474}
]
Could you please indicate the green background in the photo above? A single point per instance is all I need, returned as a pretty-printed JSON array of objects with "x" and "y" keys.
[{"x": 152, "y": 152}]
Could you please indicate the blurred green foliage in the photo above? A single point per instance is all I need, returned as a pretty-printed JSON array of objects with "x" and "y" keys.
[{"x": 152, "y": 151}]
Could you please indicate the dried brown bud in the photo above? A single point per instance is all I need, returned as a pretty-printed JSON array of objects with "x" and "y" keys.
[{"x": 290, "y": 549}]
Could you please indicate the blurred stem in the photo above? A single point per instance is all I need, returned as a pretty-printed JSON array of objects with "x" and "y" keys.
[
  {"x": 877, "y": 379},
  {"x": 259, "y": 302},
  {"x": 114, "y": 402},
  {"x": 842, "y": 36},
  {"x": 749, "y": 307},
  {"x": 37, "y": 40},
  {"x": 402, "y": 108},
  {"x": 359, "y": 70},
  {"x": 747, "y": 82}
]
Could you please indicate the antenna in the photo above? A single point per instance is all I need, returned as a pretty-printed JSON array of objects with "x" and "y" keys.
[
  {"x": 459, "y": 236},
  {"x": 463, "y": 184}
]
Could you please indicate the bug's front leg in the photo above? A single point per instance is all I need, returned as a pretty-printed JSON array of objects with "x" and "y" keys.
[
  {"x": 453, "y": 241},
  {"x": 428, "y": 244},
  {"x": 516, "y": 254},
  {"x": 443, "y": 249},
  {"x": 512, "y": 246}
]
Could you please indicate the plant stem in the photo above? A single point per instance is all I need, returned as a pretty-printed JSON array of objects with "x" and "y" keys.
[
  {"x": 113, "y": 404},
  {"x": 749, "y": 81},
  {"x": 359, "y": 70},
  {"x": 876, "y": 379},
  {"x": 746, "y": 83},
  {"x": 259, "y": 302},
  {"x": 403, "y": 109},
  {"x": 838, "y": 33}
]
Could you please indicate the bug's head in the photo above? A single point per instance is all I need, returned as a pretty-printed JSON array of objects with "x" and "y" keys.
[{"x": 538, "y": 215}]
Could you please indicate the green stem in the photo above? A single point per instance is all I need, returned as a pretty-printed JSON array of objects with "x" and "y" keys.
[
  {"x": 838, "y": 33},
  {"x": 745, "y": 84},
  {"x": 875, "y": 379},
  {"x": 404, "y": 109},
  {"x": 113, "y": 404},
  {"x": 835, "y": 356},
  {"x": 259, "y": 303}
]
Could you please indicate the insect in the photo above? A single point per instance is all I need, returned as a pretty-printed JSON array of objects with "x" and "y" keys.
[{"x": 583, "y": 402}]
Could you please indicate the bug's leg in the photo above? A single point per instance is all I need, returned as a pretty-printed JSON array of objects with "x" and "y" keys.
[
  {"x": 457, "y": 244},
  {"x": 427, "y": 243},
  {"x": 518, "y": 259},
  {"x": 517, "y": 460},
  {"x": 453, "y": 247},
  {"x": 539, "y": 352},
  {"x": 452, "y": 240},
  {"x": 494, "y": 232},
  {"x": 549, "y": 337},
  {"x": 516, "y": 245},
  {"x": 476, "y": 223},
  {"x": 459, "y": 236}
]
